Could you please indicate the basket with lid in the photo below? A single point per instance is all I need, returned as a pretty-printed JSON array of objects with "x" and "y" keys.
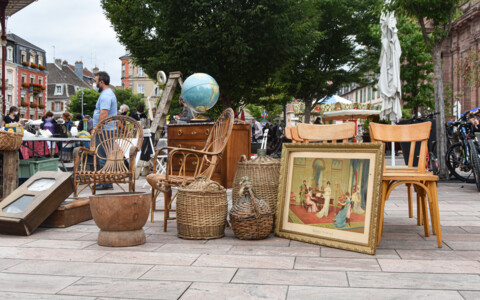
[
  {"x": 251, "y": 218},
  {"x": 10, "y": 141},
  {"x": 264, "y": 173},
  {"x": 201, "y": 210}
]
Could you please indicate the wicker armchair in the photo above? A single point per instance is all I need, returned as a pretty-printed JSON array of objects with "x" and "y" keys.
[
  {"x": 120, "y": 137},
  {"x": 205, "y": 162}
]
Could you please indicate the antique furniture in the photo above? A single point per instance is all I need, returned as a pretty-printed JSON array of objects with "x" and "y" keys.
[
  {"x": 120, "y": 217},
  {"x": 121, "y": 137},
  {"x": 184, "y": 165},
  {"x": 28, "y": 206},
  {"x": 251, "y": 218},
  {"x": 202, "y": 210},
  {"x": 326, "y": 133},
  {"x": 8, "y": 172},
  {"x": 425, "y": 183},
  {"x": 70, "y": 212}
]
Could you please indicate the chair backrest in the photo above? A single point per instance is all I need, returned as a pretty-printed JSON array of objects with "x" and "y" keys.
[
  {"x": 216, "y": 142},
  {"x": 412, "y": 133},
  {"x": 288, "y": 132},
  {"x": 326, "y": 133},
  {"x": 116, "y": 134},
  {"x": 295, "y": 137}
]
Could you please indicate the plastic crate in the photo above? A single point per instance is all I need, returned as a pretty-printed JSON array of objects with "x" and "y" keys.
[{"x": 30, "y": 166}]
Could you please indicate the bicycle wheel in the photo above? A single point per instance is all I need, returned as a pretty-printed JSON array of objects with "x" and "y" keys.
[
  {"x": 433, "y": 163},
  {"x": 475, "y": 162},
  {"x": 457, "y": 163}
]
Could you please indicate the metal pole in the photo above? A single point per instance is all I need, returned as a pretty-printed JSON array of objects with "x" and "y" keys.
[
  {"x": 82, "y": 104},
  {"x": 3, "y": 7}
]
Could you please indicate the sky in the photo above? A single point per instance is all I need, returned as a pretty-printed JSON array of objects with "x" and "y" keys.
[{"x": 71, "y": 30}]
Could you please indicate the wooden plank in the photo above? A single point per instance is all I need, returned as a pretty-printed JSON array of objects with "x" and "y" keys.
[{"x": 70, "y": 212}]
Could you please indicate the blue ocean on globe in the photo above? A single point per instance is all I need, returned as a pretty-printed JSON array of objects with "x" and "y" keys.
[{"x": 200, "y": 91}]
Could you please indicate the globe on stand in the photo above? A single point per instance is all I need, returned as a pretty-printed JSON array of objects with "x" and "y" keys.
[{"x": 200, "y": 92}]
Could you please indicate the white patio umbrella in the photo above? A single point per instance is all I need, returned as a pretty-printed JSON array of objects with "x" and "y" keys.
[{"x": 389, "y": 83}]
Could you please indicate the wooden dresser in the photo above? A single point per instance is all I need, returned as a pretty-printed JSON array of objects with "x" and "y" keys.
[{"x": 194, "y": 136}]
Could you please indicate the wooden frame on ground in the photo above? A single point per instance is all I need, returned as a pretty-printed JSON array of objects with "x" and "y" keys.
[{"x": 335, "y": 203}]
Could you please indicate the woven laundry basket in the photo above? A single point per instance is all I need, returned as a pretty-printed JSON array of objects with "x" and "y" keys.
[
  {"x": 251, "y": 218},
  {"x": 10, "y": 141},
  {"x": 201, "y": 210},
  {"x": 264, "y": 173}
]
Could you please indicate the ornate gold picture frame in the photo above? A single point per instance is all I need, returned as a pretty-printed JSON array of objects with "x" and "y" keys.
[{"x": 332, "y": 197}]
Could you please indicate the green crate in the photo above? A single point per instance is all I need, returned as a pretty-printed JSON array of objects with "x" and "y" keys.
[{"x": 30, "y": 166}]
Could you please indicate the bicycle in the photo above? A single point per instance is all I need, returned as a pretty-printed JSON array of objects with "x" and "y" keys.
[{"x": 463, "y": 158}]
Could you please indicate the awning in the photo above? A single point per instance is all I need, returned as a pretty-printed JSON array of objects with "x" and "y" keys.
[
  {"x": 13, "y": 6},
  {"x": 350, "y": 114}
]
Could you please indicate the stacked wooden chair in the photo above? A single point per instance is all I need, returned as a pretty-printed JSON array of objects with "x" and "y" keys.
[
  {"x": 121, "y": 137},
  {"x": 204, "y": 162}
]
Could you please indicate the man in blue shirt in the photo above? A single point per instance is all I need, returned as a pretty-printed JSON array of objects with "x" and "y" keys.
[{"x": 106, "y": 107}]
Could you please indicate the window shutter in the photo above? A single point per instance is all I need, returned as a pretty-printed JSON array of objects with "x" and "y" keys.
[{"x": 61, "y": 106}]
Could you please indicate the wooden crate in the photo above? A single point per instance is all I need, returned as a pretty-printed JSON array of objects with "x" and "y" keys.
[
  {"x": 194, "y": 136},
  {"x": 8, "y": 172},
  {"x": 70, "y": 212}
]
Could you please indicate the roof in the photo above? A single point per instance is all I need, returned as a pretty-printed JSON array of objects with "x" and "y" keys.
[
  {"x": 15, "y": 6},
  {"x": 62, "y": 75},
  {"x": 86, "y": 72},
  {"x": 18, "y": 40}
]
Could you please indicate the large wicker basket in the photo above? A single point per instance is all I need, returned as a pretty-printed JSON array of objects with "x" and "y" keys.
[
  {"x": 201, "y": 210},
  {"x": 10, "y": 141},
  {"x": 251, "y": 218},
  {"x": 264, "y": 173}
]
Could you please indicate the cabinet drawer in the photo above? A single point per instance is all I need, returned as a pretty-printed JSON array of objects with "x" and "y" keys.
[
  {"x": 188, "y": 132},
  {"x": 195, "y": 145}
]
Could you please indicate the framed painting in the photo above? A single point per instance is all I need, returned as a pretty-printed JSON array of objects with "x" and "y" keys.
[{"x": 333, "y": 198}]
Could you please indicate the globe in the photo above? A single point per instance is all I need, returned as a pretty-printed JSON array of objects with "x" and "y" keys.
[{"x": 200, "y": 92}]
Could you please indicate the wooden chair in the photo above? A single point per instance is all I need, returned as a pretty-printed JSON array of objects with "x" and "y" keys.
[
  {"x": 326, "y": 133},
  {"x": 204, "y": 162},
  {"x": 120, "y": 137},
  {"x": 425, "y": 183}
]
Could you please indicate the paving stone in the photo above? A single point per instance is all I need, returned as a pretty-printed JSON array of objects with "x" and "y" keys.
[
  {"x": 51, "y": 254},
  {"x": 6, "y": 263},
  {"x": 334, "y": 264},
  {"x": 457, "y": 245},
  {"x": 194, "y": 248},
  {"x": 430, "y": 266},
  {"x": 408, "y": 244},
  {"x": 414, "y": 280},
  {"x": 472, "y": 229},
  {"x": 302, "y": 244},
  {"x": 56, "y": 235},
  {"x": 83, "y": 228},
  {"x": 302, "y": 292},
  {"x": 130, "y": 289},
  {"x": 58, "y": 244},
  {"x": 270, "y": 241},
  {"x": 279, "y": 251},
  {"x": 457, "y": 237},
  {"x": 285, "y": 277},
  {"x": 144, "y": 247},
  {"x": 39, "y": 283},
  {"x": 234, "y": 291},
  {"x": 10, "y": 295},
  {"x": 13, "y": 242},
  {"x": 83, "y": 269},
  {"x": 432, "y": 254},
  {"x": 171, "y": 239},
  {"x": 188, "y": 273},
  {"x": 245, "y": 261},
  {"x": 380, "y": 253},
  {"x": 470, "y": 295},
  {"x": 151, "y": 258}
]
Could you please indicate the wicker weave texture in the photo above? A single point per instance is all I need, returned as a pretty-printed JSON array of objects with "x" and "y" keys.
[
  {"x": 264, "y": 173},
  {"x": 251, "y": 220},
  {"x": 201, "y": 210},
  {"x": 10, "y": 141}
]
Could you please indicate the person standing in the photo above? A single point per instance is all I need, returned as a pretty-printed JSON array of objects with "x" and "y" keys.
[
  {"x": 12, "y": 116},
  {"x": 124, "y": 110},
  {"x": 106, "y": 107},
  {"x": 68, "y": 120},
  {"x": 187, "y": 113},
  {"x": 326, "y": 206}
]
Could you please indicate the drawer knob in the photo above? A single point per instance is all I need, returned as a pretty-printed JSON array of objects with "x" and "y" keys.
[
  {"x": 194, "y": 147},
  {"x": 194, "y": 132},
  {"x": 179, "y": 132},
  {"x": 194, "y": 163},
  {"x": 207, "y": 131}
]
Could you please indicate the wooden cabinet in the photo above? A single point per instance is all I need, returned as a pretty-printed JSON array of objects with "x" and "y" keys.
[{"x": 194, "y": 136}]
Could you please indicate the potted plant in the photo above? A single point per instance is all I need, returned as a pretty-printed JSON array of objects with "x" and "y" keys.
[
  {"x": 41, "y": 67},
  {"x": 25, "y": 63},
  {"x": 41, "y": 106},
  {"x": 25, "y": 84},
  {"x": 33, "y": 65},
  {"x": 33, "y": 105},
  {"x": 24, "y": 104}
]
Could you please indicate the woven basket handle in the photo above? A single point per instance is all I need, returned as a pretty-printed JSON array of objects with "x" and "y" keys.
[
  {"x": 254, "y": 204},
  {"x": 243, "y": 158},
  {"x": 247, "y": 189},
  {"x": 216, "y": 184}
]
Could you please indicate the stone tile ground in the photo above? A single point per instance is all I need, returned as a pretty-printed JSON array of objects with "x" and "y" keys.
[{"x": 68, "y": 264}]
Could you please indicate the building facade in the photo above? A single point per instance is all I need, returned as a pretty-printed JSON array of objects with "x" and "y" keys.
[
  {"x": 367, "y": 94},
  {"x": 62, "y": 83},
  {"x": 133, "y": 77},
  {"x": 26, "y": 77}
]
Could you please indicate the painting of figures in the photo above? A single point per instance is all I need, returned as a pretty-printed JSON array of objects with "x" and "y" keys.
[{"x": 330, "y": 194}]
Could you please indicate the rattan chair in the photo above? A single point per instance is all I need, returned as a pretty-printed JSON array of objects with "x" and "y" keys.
[
  {"x": 121, "y": 137},
  {"x": 425, "y": 183},
  {"x": 205, "y": 162}
]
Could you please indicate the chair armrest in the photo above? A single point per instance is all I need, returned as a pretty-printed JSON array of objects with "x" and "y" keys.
[{"x": 81, "y": 155}]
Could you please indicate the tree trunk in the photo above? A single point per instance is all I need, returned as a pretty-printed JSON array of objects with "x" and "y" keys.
[
  {"x": 226, "y": 101},
  {"x": 440, "y": 107},
  {"x": 308, "y": 111}
]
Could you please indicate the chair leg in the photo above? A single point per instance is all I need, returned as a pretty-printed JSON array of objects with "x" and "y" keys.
[
  {"x": 167, "y": 195},
  {"x": 436, "y": 213},
  {"x": 419, "y": 209},
  {"x": 154, "y": 204},
  {"x": 425, "y": 213},
  {"x": 381, "y": 210},
  {"x": 410, "y": 204}
]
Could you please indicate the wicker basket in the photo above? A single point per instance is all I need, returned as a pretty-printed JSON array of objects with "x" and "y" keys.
[
  {"x": 10, "y": 141},
  {"x": 264, "y": 173},
  {"x": 250, "y": 217},
  {"x": 201, "y": 210}
]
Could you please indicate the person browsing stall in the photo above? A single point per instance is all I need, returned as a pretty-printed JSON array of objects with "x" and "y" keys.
[
  {"x": 187, "y": 113},
  {"x": 106, "y": 107},
  {"x": 12, "y": 116}
]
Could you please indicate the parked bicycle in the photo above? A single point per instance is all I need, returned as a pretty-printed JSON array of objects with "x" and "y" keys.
[{"x": 463, "y": 158}]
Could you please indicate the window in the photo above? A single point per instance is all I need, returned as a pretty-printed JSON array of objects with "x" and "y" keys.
[
  {"x": 10, "y": 76},
  {"x": 40, "y": 100},
  {"x": 22, "y": 98},
  {"x": 24, "y": 56},
  {"x": 58, "y": 106},
  {"x": 32, "y": 57},
  {"x": 369, "y": 94},
  {"x": 123, "y": 70},
  {"x": 9, "y": 53},
  {"x": 140, "y": 72},
  {"x": 40, "y": 80},
  {"x": 58, "y": 89},
  {"x": 356, "y": 96},
  {"x": 141, "y": 88},
  {"x": 24, "y": 77},
  {"x": 40, "y": 60},
  {"x": 9, "y": 98},
  {"x": 378, "y": 92},
  {"x": 32, "y": 79}
]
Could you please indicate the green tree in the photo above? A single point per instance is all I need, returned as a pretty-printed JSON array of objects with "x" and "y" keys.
[
  {"x": 89, "y": 101},
  {"x": 240, "y": 43},
  {"x": 435, "y": 18},
  {"x": 340, "y": 49},
  {"x": 125, "y": 96},
  {"x": 273, "y": 110}
]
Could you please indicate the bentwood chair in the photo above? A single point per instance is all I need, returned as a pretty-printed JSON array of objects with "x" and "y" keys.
[
  {"x": 205, "y": 162},
  {"x": 121, "y": 137},
  {"x": 326, "y": 133},
  {"x": 424, "y": 182}
]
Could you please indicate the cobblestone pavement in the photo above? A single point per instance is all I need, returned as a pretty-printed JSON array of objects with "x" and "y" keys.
[{"x": 67, "y": 263}]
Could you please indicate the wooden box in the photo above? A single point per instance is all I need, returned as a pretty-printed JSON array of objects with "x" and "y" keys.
[
  {"x": 8, "y": 172},
  {"x": 194, "y": 136},
  {"x": 70, "y": 212}
]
